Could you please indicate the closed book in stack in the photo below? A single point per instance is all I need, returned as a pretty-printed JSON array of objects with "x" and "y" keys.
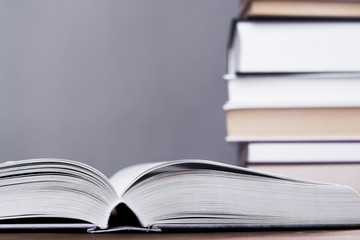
[
  {"x": 299, "y": 8},
  {"x": 294, "y": 46},
  {"x": 294, "y": 78}
]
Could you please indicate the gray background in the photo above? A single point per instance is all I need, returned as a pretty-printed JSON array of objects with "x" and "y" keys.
[{"x": 113, "y": 83}]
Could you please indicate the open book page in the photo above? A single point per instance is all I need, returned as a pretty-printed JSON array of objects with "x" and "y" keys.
[
  {"x": 125, "y": 178},
  {"x": 202, "y": 193},
  {"x": 55, "y": 188}
]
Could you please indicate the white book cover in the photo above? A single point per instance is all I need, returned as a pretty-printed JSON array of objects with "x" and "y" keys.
[
  {"x": 305, "y": 152},
  {"x": 295, "y": 46},
  {"x": 302, "y": 90}
]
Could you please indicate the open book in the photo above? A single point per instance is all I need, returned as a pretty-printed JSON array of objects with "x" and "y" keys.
[{"x": 174, "y": 194}]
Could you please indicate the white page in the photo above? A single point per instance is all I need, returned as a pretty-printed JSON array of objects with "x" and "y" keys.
[{"x": 124, "y": 178}]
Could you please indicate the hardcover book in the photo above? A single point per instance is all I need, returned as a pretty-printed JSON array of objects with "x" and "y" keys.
[
  {"x": 294, "y": 90},
  {"x": 292, "y": 124},
  {"x": 293, "y": 46},
  {"x": 303, "y": 153},
  {"x": 300, "y": 8},
  {"x": 174, "y": 194}
]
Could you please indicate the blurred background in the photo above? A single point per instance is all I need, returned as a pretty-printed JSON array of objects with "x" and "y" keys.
[{"x": 114, "y": 83}]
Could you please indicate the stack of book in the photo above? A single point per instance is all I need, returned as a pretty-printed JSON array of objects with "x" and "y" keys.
[{"x": 294, "y": 88}]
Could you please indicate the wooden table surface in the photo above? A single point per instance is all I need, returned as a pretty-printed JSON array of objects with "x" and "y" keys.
[{"x": 292, "y": 235}]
